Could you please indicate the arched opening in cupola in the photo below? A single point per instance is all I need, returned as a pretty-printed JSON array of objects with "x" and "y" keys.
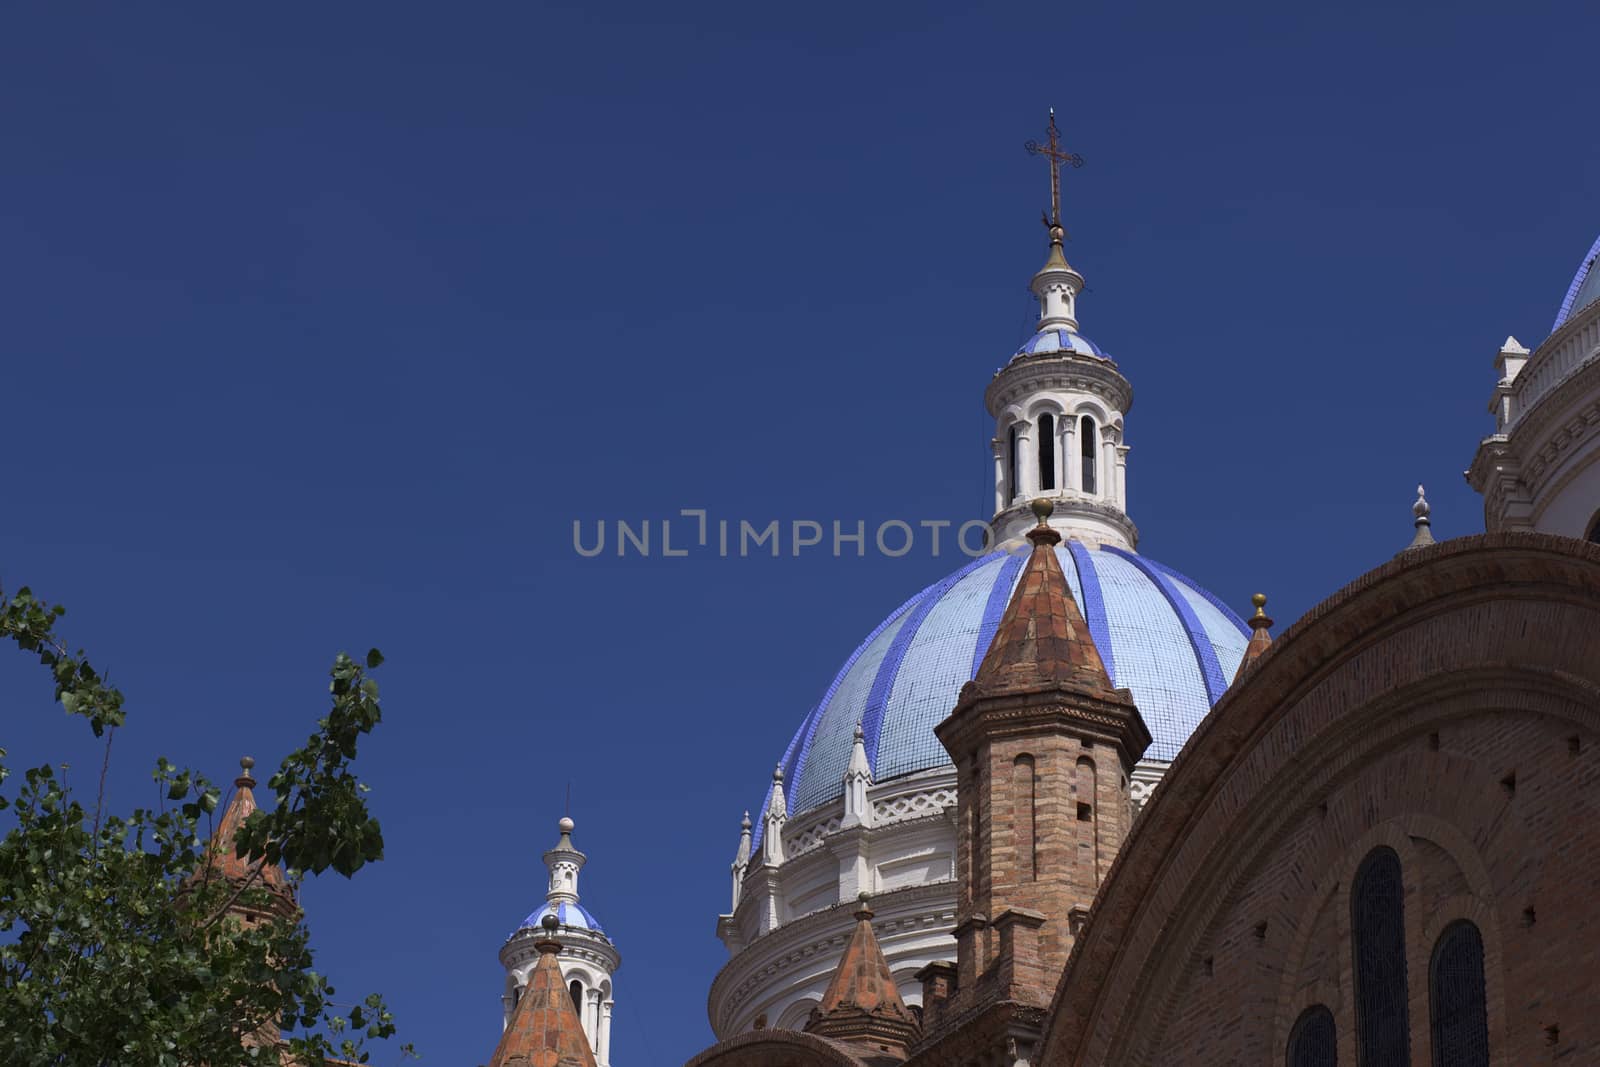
[
  {"x": 1011, "y": 463},
  {"x": 1047, "y": 451},
  {"x": 576, "y": 989},
  {"x": 1090, "y": 450}
]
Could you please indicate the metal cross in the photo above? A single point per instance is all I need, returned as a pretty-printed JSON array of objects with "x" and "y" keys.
[{"x": 1057, "y": 156}]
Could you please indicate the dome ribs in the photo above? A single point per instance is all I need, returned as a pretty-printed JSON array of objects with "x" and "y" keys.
[{"x": 1205, "y": 656}]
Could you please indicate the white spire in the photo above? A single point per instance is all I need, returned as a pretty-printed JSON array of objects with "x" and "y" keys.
[
  {"x": 857, "y": 777},
  {"x": 741, "y": 860},
  {"x": 1420, "y": 510},
  {"x": 772, "y": 823},
  {"x": 564, "y": 862}
]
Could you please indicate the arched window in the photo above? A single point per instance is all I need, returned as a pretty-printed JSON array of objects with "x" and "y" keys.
[
  {"x": 1011, "y": 463},
  {"x": 576, "y": 989},
  {"x": 1023, "y": 785},
  {"x": 1312, "y": 1042},
  {"x": 1455, "y": 998},
  {"x": 1377, "y": 919},
  {"x": 1047, "y": 451},
  {"x": 1090, "y": 448}
]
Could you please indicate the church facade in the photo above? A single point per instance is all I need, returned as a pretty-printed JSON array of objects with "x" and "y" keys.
[{"x": 1066, "y": 807}]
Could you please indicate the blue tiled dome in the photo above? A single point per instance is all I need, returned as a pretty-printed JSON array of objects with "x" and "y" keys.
[
  {"x": 1163, "y": 637},
  {"x": 1047, "y": 341},
  {"x": 1585, "y": 287},
  {"x": 572, "y": 916}
]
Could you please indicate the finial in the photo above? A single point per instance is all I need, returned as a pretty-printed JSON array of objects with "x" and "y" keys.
[
  {"x": 1043, "y": 534},
  {"x": 777, "y": 773},
  {"x": 1421, "y": 509},
  {"x": 565, "y": 825},
  {"x": 861, "y": 735},
  {"x": 245, "y": 779},
  {"x": 548, "y": 943},
  {"x": 863, "y": 912},
  {"x": 744, "y": 823},
  {"x": 1260, "y": 635}
]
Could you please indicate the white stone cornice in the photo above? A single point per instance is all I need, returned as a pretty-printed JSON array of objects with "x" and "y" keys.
[{"x": 1062, "y": 372}]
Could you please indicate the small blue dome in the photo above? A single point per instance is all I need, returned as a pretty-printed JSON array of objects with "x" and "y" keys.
[
  {"x": 1047, "y": 341},
  {"x": 1160, "y": 635},
  {"x": 572, "y": 916},
  {"x": 1585, "y": 287}
]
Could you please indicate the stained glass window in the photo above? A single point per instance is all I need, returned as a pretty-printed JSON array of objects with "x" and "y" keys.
[
  {"x": 1312, "y": 1042},
  {"x": 1456, "y": 1001},
  {"x": 1377, "y": 906}
]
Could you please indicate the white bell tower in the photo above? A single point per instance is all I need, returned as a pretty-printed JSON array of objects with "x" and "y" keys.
[
  {"x": 587, "y": 958},
  {"x": 1058, "y": 407}
]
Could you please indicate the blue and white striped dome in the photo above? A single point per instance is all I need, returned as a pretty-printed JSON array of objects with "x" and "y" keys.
[
  {"x": 572, "y": 916},
  {"x": 1172, "y": 643},
  {"x": 1047, "y": 341},
  {"x": 1585, "y": 287}
]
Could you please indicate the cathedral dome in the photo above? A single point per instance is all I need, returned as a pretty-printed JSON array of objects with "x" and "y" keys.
[
  {"x": 1060, "y": 340},
  {"x": 1584, "y": 289},
  {"x": 1172, "y": 643},
  {"x": 571, "y": 915}
]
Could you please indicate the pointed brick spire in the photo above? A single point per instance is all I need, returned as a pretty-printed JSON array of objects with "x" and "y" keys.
[
  {"x": 545, "y": 1030},
  {"x": 862, "y": 1003},
  {"x": 225, "y": 863},
  {"x": 1043, "y": 641},
  {"x": 1260, "y": 635}
]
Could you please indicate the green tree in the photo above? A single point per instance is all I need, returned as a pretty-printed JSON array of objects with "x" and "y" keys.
[{"x": 120, "y": 941}]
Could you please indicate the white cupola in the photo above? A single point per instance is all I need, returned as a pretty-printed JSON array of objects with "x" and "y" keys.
[
  {"x": 1058, "y": 407},
  {"x": 587, "y": 958}
]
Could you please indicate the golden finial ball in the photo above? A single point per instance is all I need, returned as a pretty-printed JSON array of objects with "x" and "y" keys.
[
  {"x": 247, "y": 762},
  {"x": 1042, "y": 509},
  {"x": 1259, "y": 600}
]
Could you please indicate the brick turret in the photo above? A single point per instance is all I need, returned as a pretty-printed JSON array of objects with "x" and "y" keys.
[
  {"x": 545, "y": 1030},
  {"x": 862, "y": 1004},
  {"x": 1044, "y": 745}
]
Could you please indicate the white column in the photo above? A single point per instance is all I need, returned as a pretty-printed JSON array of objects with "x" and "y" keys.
[
  {"x": 1071, "y": 465},
  {"x": 603, "y": 1053},
  {"x": 1108, "y": 466},
  {"x": 1027, "y": 465},
  {"x": 591, "y": 1018},
  {"x": 999, "y": 447},
  {"x": 1122, "y": 476}
]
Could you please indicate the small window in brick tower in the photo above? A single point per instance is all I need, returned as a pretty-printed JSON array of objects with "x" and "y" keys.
[
  {"x": 1377, "y": 920},
  {"x": 1456, "y": 1000},
  {"x": 1047, "y": 451},
  {"x": 1090, "y": 449}
]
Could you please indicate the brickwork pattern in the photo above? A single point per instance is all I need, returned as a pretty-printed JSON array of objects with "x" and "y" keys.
[
  {"x": 1446, "y": 706},
  {"x": 545, "y": 1030}
]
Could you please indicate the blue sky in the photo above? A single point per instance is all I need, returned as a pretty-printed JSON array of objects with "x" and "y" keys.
[{"x": 323, "y": 325}]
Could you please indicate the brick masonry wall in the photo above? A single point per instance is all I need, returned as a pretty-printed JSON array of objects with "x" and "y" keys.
[{"x": 1446, "y": 706}]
